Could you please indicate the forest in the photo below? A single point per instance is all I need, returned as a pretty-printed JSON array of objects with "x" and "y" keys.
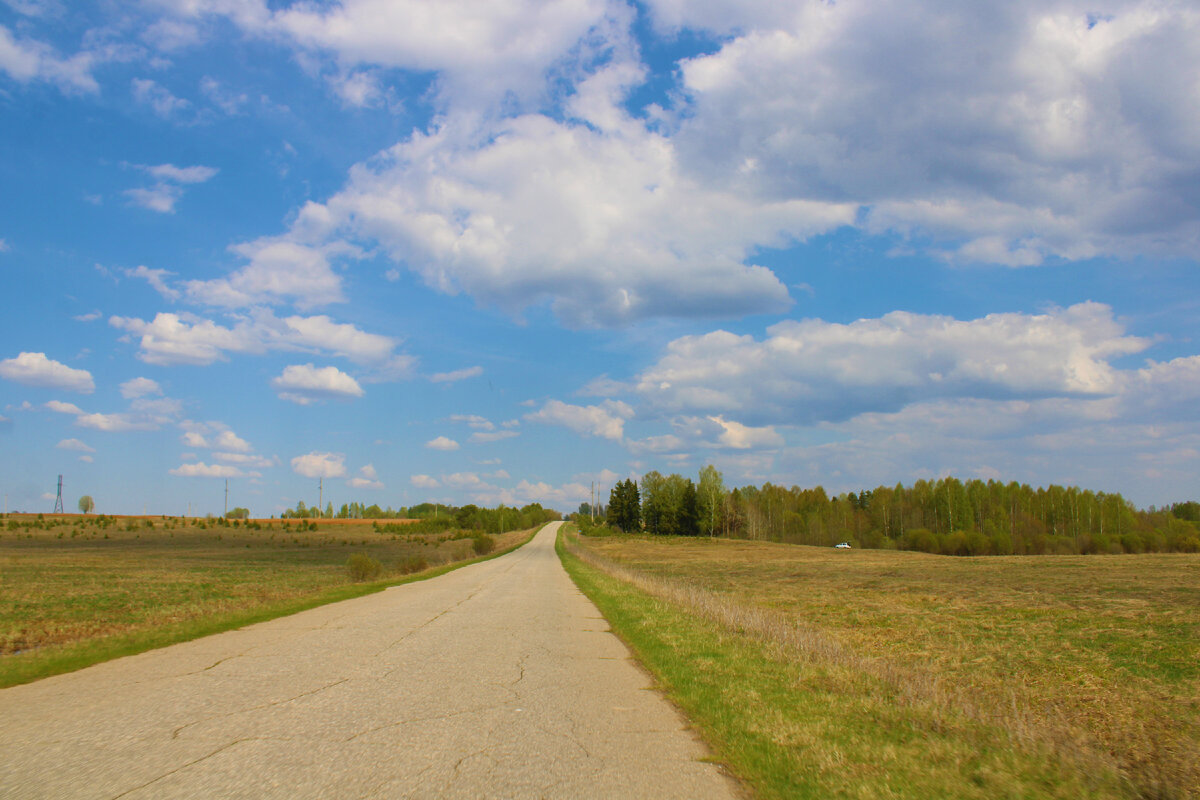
[{"x": 946, "y": 516}]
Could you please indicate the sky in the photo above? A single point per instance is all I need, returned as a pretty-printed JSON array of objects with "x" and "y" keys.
[{"x": 397, "y": 251}]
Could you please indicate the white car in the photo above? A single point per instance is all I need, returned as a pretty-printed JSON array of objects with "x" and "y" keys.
[{"x": 842, "y": 546}]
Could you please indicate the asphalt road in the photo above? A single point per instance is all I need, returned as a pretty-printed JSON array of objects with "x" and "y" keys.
[{"x": 496, "y": 680}]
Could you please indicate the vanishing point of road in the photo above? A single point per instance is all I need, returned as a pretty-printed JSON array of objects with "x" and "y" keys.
[{"x": 499, "y": 679}]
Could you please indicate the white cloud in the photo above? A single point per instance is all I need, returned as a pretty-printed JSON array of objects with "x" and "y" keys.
[
  {"x": 183, "y": 175},
  {"x": 212, "y": 435},
  {"x": 367, "y": 478},
  {"x": 228, "y": 440},
  {"x": 170, "y": 35},
  {"x": 304, "y": 384},
  {"x": 484, "y": 53},
  {"x": 606, "y": 420},
  {"x": 483, "y": 437},
  {"x": 279, "y": 269},
  {"x": 89, "y": 317},
  {"x": 202, "y": 470},
  {"x": 602, "y": 223},
  {"x": 1006, "y": 133},
  {"x": 34, "y": 369},
  {"x": 171, "y": 339},
  {"x": 246, "y": 460},
  {"x": 26, "y": 60},
  {"x": 320, "y": 465},
  {"x": 3, "y": 246},
  {"x": 424, "y": 482},
  {"x": 809, "y": 371},
  {"x": 442, "y": 443},
  {"x": 161, "y": 197},
  {"x": 86, "y": 459},
  {"x": 139, "y": 387},
  {"x": 76, "y": 445},
  {"x": 456, "y": 375},
  {"x": 158, "y": 97},
  {"x": 117, "y": 423},
  {"x": 474, "y": 421},
  {"x": 229, "y": 102},
  {"x": 63, "y": 408}
]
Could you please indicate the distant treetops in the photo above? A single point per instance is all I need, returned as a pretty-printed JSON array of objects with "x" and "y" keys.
[{"x": 945, "y": 516}]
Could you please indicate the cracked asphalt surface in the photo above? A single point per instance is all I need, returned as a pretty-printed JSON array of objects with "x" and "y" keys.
[{"x": 499, "y": 679}]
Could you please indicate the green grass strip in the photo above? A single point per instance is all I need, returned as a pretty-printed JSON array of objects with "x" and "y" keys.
[
  {"x": 68, "y": 658},
  {"x": 812, "y": 730}
]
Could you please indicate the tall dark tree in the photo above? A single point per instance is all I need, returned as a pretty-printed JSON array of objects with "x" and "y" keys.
[{"x": 624, "y": 506}]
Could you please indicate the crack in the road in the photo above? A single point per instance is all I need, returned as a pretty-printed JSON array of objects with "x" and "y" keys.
[
  {"x": 175, "y": 733},
  {"x": 168, "y": 774}
]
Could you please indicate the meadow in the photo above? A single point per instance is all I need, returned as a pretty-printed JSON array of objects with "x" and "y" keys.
[
  {"x": 75, "y": 590},
  {"x": 822, "y": 672}
]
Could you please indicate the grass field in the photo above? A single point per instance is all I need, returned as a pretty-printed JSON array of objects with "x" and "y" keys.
[
  {"x": 75, "y": 591},
  {"x": 924, "y": 675}
]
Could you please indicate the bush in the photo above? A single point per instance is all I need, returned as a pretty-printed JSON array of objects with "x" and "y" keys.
[
  {"x": 483, "y": 544},
  {"x": 363, "y": 568},
  {"x": 920, "y": 539},
  {"x": 411, "y": 564}
]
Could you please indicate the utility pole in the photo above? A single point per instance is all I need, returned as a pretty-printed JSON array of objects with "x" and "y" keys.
[
  {"x": 320, "y": 496},
  {"x": 592, "y": 505},
  {"x": 227, "y": 497}
]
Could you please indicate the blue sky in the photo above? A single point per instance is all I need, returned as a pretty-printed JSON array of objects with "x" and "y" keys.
[{"x": 495, "y": 252}]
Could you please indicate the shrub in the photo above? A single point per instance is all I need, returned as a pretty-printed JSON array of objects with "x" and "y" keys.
[
  {"x": 920, "y": 539},
  {"x": 362, "y": 567},
  {"x": 483, "y": 544},
  {"x": 412, "y": 564}
]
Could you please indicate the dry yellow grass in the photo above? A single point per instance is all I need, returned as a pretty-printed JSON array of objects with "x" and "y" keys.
[
  {"x": 76, "y": 582},
  {"x": 1094, "y": 657}
]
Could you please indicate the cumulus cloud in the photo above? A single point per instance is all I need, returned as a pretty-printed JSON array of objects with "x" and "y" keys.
[
  {"x": 367, "y": 478},
  {"x": 76, "y": 445},
  {"x": 201, "y": 470},
  {"x": 320, "y": 465},
  {"x": 279, "y": 269},
  {"x": 484, "y": 53},
  {"x": 808, "y": 371},
  {"x": 171, "y": 339},
  {"x": 606, "y": 420},
  {"x": 304, "y": 384},
  {"x": 1008, "y": 134},
  {"x": 213, "y": 435},
  {"x": 35, "y": 369},
  {"x": 139, "y": 387},
  {"x": 442, "y": 443},
  {"x": 424, "y": 482},
  {"x": 60, "y": 407},
  {"x": 601, "y": 223}
]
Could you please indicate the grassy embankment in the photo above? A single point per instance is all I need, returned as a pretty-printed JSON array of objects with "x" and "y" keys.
[
  {"x": 823, "y": 673},
  {"x": 76, "y": 591}
]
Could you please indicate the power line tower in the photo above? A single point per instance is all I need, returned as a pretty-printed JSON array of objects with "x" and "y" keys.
[{"x": 58, "y": 509}]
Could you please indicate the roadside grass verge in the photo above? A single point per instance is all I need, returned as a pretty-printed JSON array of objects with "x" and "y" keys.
[
  {"x": 796, "y": 712},
  {"x": 67, "y": 603}
]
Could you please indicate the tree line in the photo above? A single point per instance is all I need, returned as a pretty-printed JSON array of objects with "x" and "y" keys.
[
  {"x": 946, "y": 516},
  {"x": 438, "y": 516}
]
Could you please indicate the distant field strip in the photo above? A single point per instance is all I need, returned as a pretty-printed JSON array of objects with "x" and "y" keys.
[
  {"x": 1089, "y": 664},
  {"x": 77, "y": 592}
]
